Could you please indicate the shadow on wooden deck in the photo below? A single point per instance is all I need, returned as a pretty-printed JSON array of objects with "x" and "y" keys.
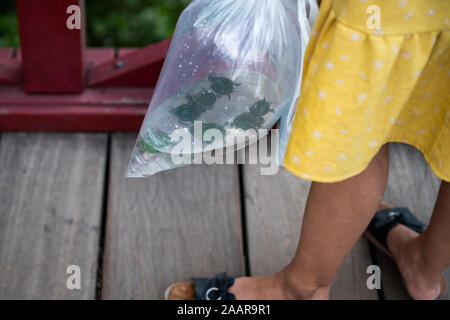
[{"x": 64, "y": 201}]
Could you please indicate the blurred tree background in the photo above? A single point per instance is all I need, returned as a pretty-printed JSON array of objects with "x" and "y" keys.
[
  {"x": 9, "y": 34},
  {"x": 111, "y": 23}
]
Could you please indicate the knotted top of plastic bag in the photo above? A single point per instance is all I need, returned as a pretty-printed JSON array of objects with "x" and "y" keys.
[{"x": 253, "y": 26}]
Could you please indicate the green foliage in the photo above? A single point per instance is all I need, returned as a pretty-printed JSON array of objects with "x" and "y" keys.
[
  {"x": 119, "y": 23},
  {"x": 9, "y": 32},
  {"x": 112, "y": 23}
]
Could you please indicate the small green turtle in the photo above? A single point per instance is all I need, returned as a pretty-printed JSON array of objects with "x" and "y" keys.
[
  {"x": 222, "y": 85},
  {"x": 188, "y": 112},
  {"x": 145, "y": 147},
  {"x": 152, "y": 142},
  {"x": 247, "y": 121},
  {"x": 260, "y": 108},
  {"x": 205, "y": 98},
  {"x": 160, "y": 138}
]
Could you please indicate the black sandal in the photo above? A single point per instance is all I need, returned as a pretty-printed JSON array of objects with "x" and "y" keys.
[
  {"x": 202, "y": 289},
  {"x": 214, "y": 288},
  {"x": 385, "y": 220}
]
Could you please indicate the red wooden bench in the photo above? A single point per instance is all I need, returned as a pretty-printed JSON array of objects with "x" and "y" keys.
[{"x": 53, "y": 82}]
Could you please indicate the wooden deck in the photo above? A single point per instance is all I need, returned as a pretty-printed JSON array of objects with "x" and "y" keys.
[{"x": 64, "y": 201}]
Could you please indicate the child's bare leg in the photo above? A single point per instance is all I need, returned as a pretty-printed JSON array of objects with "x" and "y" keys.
[
  {"x": 422, "y": 259},
  {"x": 336, "y": 215}
]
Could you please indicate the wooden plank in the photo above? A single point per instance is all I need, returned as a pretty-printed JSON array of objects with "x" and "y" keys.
[
  {"x": 50, "y": 63},
  {"x": 91, "y": 97},
  {"x": 94, "y": 56},
  {"x": 412, "y": 184},
  {"x": 274, "y": 210},
  {"x": 139, "y": 67},
  {"x": 98, "y": 56},
  {"x": 170, "y": 227},
  {"x": 146, "y": 75},
  {"x": 50, "y": 202},
  {"x": 6, "y": 53},
  {"x": 94, "y": 110},
  {"x": 10, "y": 72},
  {"x": 10, "y": 68},
  {"x": 351, "y": 281}
]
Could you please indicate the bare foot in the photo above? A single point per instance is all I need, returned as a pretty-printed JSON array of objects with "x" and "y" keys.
[
  {"x": 274, "y": 287},
  {"x": 402, "y": 243}
]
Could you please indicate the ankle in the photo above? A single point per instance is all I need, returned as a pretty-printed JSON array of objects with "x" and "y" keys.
[
  {"x": 296, "y": 289},
  {"x": 422, "y": 282},
  {"x": 399, "y": 238},
  {"x": 414, "y": 256}
]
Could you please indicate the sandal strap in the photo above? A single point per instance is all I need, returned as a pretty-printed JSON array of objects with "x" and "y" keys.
[
  {"x": 385, "y": 220},
  {"x": 214, "y": 288}
]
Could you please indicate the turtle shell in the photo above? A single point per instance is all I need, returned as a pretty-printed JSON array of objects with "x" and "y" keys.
[
  {"x": 246, "y": 121},
  {"x": 188, "y": 112},
  {"x": 222, "y": 85},
  {"x": 205, "y": 98},
  {"x": 260, "y": 108},
  {"x": 146, "y": 147},
  {"x": 163, "y": 139}
]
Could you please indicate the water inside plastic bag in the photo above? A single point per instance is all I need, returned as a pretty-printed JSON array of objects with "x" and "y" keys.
[{"x": 253, "y": 43}]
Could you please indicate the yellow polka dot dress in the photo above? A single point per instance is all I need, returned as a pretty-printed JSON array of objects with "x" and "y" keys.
[{"x": 375, "y": 71}]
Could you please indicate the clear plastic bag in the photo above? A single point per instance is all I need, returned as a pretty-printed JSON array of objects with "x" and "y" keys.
[
  {"x": 232, "y": 64},
  {"x": 308, "y": 11}
]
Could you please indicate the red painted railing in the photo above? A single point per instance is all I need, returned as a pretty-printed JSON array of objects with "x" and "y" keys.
[{"x": 54, "y": 83}]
